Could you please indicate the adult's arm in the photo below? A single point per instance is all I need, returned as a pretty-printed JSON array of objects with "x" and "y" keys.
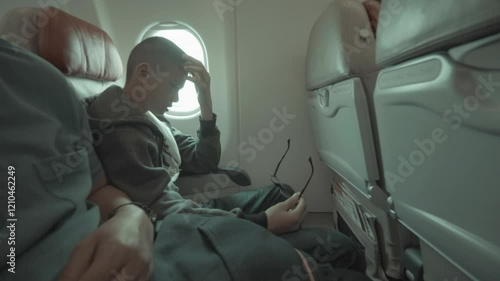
[{"x": 121, "y": 246}]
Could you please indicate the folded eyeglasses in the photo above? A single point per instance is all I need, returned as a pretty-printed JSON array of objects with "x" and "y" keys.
[{"x": 276, "y": 181}]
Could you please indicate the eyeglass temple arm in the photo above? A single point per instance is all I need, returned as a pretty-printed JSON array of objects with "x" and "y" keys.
[
  {"x": 310, "y": 177},
  {"x": 283, "y": 157}
]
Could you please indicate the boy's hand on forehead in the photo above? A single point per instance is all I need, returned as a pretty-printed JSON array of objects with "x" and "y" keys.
[
  {"x": 201, "y": 79},
  {"x": 199, "y": 74}
]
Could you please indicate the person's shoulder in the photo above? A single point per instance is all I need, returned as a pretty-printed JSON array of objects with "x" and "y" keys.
[
  {"x": 37, "y": 83},
  {"x": 109, "y": 104},
  {"x": 130, "y": 131}
]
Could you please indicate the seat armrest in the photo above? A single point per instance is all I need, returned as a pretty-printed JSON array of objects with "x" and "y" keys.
[
  {"x": 220, "y": 183},
  {"x": 236, "y": 175}
]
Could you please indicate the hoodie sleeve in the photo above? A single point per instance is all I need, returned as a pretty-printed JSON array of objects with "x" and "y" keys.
[
  {"x": 200, "y": 155},
  {"x": 130, "y": 157}
]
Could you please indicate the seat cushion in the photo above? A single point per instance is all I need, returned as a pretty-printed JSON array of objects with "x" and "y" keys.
[{"x": 408, "y": 29}]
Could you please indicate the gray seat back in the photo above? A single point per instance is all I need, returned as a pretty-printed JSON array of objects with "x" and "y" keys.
[
  {"x": 437, "y": 111},
  {"x": 340, "y": 77}
]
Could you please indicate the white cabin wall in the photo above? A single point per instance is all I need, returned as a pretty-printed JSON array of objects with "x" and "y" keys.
[
  {"x": 6, "y": 6},
  {"x": 92, "y": 11},
  {"x": 85, "y": 10},
  {"x": 272, "y": 39}
]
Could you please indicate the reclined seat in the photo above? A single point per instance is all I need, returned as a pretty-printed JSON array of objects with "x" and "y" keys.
[
  {"x": 91, "y": 63},
  {"x": 340, "y": 77},
  {"x": 437, "y": 107}
]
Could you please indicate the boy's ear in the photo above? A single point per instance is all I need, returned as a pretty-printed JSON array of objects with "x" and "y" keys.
[{"x": 142, "y": 71}]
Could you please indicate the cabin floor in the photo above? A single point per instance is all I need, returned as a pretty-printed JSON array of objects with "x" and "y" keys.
[{"x": 319, "y": 219}]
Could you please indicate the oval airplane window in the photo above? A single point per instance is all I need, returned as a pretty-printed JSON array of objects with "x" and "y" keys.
[{"x": 190, "y": 42}]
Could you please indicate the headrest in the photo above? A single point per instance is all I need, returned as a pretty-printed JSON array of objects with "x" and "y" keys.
[
  {"x": 414, "y": 28},
  {"x": 74, "y": 46},
  {"x": 341, "y": 45}
]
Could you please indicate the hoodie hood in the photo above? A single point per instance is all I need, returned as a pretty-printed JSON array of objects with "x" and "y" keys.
[{"x": 113, "y": 104}]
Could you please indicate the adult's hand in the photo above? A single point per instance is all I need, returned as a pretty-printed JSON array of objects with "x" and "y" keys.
[
  {"x": 201, "y": 79},
  {"x": 120, "y": 249},
  {"x": 286, "y": 216}
]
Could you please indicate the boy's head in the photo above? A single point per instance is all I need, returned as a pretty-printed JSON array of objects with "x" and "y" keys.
[{"x": 155, "y": 74}]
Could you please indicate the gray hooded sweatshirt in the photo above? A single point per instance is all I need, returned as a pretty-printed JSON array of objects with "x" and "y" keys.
[{"x": 140, "y": 158}]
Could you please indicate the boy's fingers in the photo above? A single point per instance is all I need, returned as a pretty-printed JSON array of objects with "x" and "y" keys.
[
  {"x": 292, "y": 201},
  {"x": 304, "y": 213},
  {"x": 191, "y": 59},
  {"x": 198, "y": 70},
  {"x": 192, "y": 79},
  {"x": 194, "y": 68},
  {"x": 301, "y": 207}
]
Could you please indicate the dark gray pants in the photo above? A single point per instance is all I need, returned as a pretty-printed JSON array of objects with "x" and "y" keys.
[
  {"x": 199, "y": 248},
  {"x": 332, "y": 254}
]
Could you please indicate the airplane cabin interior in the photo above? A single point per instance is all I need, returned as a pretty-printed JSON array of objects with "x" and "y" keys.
[{"x": 395, "y": 103}]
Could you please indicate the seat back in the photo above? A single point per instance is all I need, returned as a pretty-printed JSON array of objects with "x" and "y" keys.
[
  {"x": 340, "y": 61},
  {"x": 340, "y": 77},
  {"x": 80, "y": 50},
  {"x": 437, "y": 110},
  {"x": 409, "y": 29}
]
